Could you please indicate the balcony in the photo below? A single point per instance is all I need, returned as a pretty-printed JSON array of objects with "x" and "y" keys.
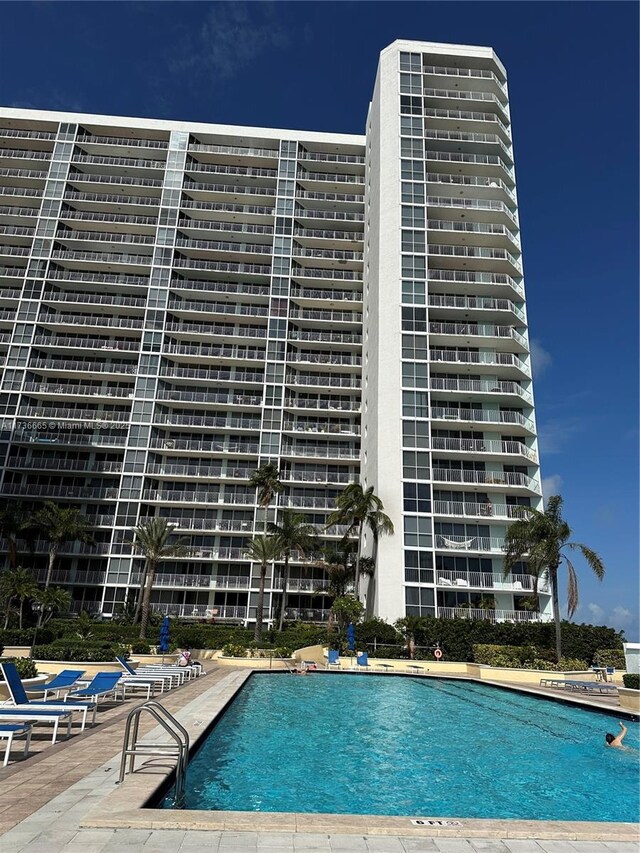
[
  {"x": 209, "y": 524},
  {"x": 54, "y": 464},
  {"x": 197, "y": 581},
  {"x": 235, "y": 150},
  {"x": 482, "y": 360},
  {"x": 68, "y": 578},
  {"x": 483, "y": 416},
  {"x": 214, "y": 351},
  {"x": 343, "y": 477},
  {"x": 481, "y": 386},
  {"x": 474, "y": 73},
  {"x": 492, "y": 233},
  {"x": 110, "y": 198},
  {"x": 76, "y": 389},
  {"x": 482, "y": 281},
  {"x": 202, "y": 611},
  {"x": 122, "y": 140},
  {"x": 476, "y": 204},
  {"x": 120, "y": 180},
  {"x": 502, "y": 479},
  {"x": 306, "y": 615},
  {"x": 322, "y": 380},
  {"x": 482, "y": 446},
  {"x": 491, "y": 615},
  {"x": 299, "y": 271},
  {"x": 84, "y": 343},
  {"x": 485, "y": 544},
  {"x": 94, "y": 299},
  {"x": 214, "y": 471},
  {"x": 233, "y": 287},
  {"x": 44, "y": 414},
  {"x": 337, "y": 215},
  {"x": 214, "y": 375},
  {"x": 476, "y": 510},
  {"x": 217, "y": 169},
  {"x": 325, "y": 316},
  {"x": 224, "y": 329},
  {"x": 220, "y": 225},
  {"x": 69, "y": 492},
  {"x": 485, "y": 186},
  {"x": 229, "y": 422},
  {"x": 482, "y": 330},
  {"x": 475, "y": 303},
  {"x": 321, "y": 450},
  {"x": 486, "y": 580},
  {"x": 498, "y": 258},
  {"x": 203, "y": 446},
  {"x": 307, "y": 503},
  {"x": 331, "y": 158},
  {"x": 211, "y": 399},
  {"x": 317, "y": 403},
  {"x": 219, "y": 308}
]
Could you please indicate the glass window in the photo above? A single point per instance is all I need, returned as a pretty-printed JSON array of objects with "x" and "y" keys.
[
  {"x": 413, "y": 241},
  {"x": 415, "y": 434},
  {"x": 415, "y": 404},
  {"x": 415, "y": 465},
  {"x": 411, "y": 84},
  {"x": 414, "y": 266},
  {"x": 410, "y": 126},
  {"x": 414, "y": 319},
  {"x": 413, "y": 292},
  {"x": 411, "y": 62},
  {"x": 412, "y": 217},
  {"x": 412, "y": 148},
  {"x": 412, "y": 193},
  {"x": 414, "y": 375},
  {"x": 417, "y": 497},
  {"x": 412, "y": 170}
]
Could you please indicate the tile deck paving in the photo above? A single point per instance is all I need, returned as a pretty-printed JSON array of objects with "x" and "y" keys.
[{"x": 42, "y": 809}]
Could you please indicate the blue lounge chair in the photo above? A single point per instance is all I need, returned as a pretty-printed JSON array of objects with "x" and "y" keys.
[
  {"x": 21, "y": 700},
  {"x": 63, "y": 681},
  {"x": 103, "y": 684},
  {"x": 362, "y": 659},
  {"x": 333, "y": 658},
  {"x": 8, "y": 732},
  {"x": 131, "y": 676},
  {"x": 42, "y": 715}
]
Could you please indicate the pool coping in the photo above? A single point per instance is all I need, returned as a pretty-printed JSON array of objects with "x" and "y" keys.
[{"x": 127, "y": 806}]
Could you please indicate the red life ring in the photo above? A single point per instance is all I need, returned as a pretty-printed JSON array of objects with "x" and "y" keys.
[{"x": 437, "y": 654}]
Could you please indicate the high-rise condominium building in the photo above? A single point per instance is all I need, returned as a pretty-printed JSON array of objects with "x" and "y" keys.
[{"x": 183, "y": 302}]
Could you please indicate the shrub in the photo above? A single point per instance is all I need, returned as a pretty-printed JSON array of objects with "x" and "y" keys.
[
  {"x": 140, "y": 648},
  {"x": 631, "y": 680},
  {"x": 234, "y": 650},
  {"x": 86, "y": 652},
  {"x": 572, "y": 665},
  {"x": 611, "y": 657},
  {"x": 24, "y": 637},
  {"x": 25, "y": 666},
  {"x": 282, "y": 652}
]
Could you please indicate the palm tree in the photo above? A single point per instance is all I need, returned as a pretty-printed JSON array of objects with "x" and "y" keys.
[
  {"x": 55, "y": 599},
  {"x": 152, "y": 540},
  {"x": 541, "y": 537},
  {"x": 59, "y": 525},
  {"x": 358, "y": 509},
  {"x": 293, "y": 533},
  {"x": 266, "y": 482},
  {"x": 263, "y": 550},
  {"x": 17, "y": 583},
  {"x": 14, "y": 521}
]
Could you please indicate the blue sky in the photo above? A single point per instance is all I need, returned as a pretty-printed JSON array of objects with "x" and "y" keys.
[{"x": 573, "y": 71}]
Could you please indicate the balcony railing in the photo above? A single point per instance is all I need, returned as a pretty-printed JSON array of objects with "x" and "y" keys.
[
  {"x": 84, "y": 343},
  {"x": 469, "y": 543},
  {"x": 70, "y": 414},
  {"x": 449, "y": 71},
  {"x": 34, "y": 490},
  {"x": 235, "y": 149},
  {"x": 213, "y": 524},
  {"x": 306, "y": 615},
  {"x": 122, "y": 140},
  {"x": 470, "y": 181},
  {"x": 478, "y": 445},
  {"x": 473, "y": 204},
  {"x": 53, "y": 464},
  {"x": 321, "y": 450},
  {"x": 474, "y": 303},
  {"x": 331, "y": 405},
  {"x": 502, "y": 359},
  {"x": 487, "y": 580},
  {"x": 491, "y": 615},
  {"x": 474, "y": 252},
  {"x": 203, "y": 446},
  {"x": 491, "y": 386},
  {"x": 201, "y": 611},
  {"x": 475, "y": 277},
  {"x": 481, "y": 510},
  {"x": 486, "y": 415},
  {"x": 487, "y": 330},
  {"x": 198, "y": 581},
  {"x": 487, "y": 478}
]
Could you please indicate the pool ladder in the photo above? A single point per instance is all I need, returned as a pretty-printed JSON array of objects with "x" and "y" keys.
[{"x": 178, "y": 749}]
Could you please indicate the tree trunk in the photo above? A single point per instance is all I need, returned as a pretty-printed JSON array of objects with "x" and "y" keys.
[
  {"x": 136, "y": 615},
  {"x": 553, "y": 579},
  {"x": 53, "y": 553},
  {"x": 358, "y": 555},
  {"x": 20, "y": 615},
  {"x": 258, "y": 632},
  {"x": 146, "y": 600},
  {"x": 12, "y": 552},
  {"x": 285, "y": 580},
  {"x": 6, "y": 614}
]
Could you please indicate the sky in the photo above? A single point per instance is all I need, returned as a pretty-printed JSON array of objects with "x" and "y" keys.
[{"x": 573, "y": 75}]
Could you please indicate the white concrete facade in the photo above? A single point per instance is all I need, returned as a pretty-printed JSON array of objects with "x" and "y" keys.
[{"x": 180, "y": 302}]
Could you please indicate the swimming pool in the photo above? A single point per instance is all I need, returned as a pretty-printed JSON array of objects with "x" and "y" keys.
[{"x": 354, "y": 744}]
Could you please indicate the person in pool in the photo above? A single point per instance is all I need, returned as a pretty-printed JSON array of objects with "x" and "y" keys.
[{"x": 616, "y": 741}]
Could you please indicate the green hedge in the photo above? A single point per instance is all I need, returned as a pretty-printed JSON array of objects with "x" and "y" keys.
[
  {"x": 84, "y": 652},
  {"x": 525, "y": 657},
  {"x": 611, "y": 657},
  {"x": 458, "y": 636},
  {"x": 631, "y": 680},
  {"x": 25, "y": 666},
  {"x": 24, "y": 637}
]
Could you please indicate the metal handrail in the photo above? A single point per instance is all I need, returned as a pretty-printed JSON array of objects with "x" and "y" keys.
[{"x": 131, "y": 746}]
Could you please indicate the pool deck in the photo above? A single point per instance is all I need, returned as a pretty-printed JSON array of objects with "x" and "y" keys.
[{"x": 66, "y": 798}]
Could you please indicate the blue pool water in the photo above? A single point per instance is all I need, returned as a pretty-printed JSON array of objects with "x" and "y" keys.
[{"x": 353, "y": 744}]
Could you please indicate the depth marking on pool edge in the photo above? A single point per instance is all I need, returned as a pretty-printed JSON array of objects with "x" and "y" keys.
[{"x": 423, "y": 821}]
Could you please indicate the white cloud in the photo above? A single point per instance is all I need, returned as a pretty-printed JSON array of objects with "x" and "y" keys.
[
  {"x": 232, "y": 37},
  {"x": 621, "y": 617},
  {"x": 540, "y": 358},
  {"x": 597, "y": 612},
  {"x": 551, "y": 485}
]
